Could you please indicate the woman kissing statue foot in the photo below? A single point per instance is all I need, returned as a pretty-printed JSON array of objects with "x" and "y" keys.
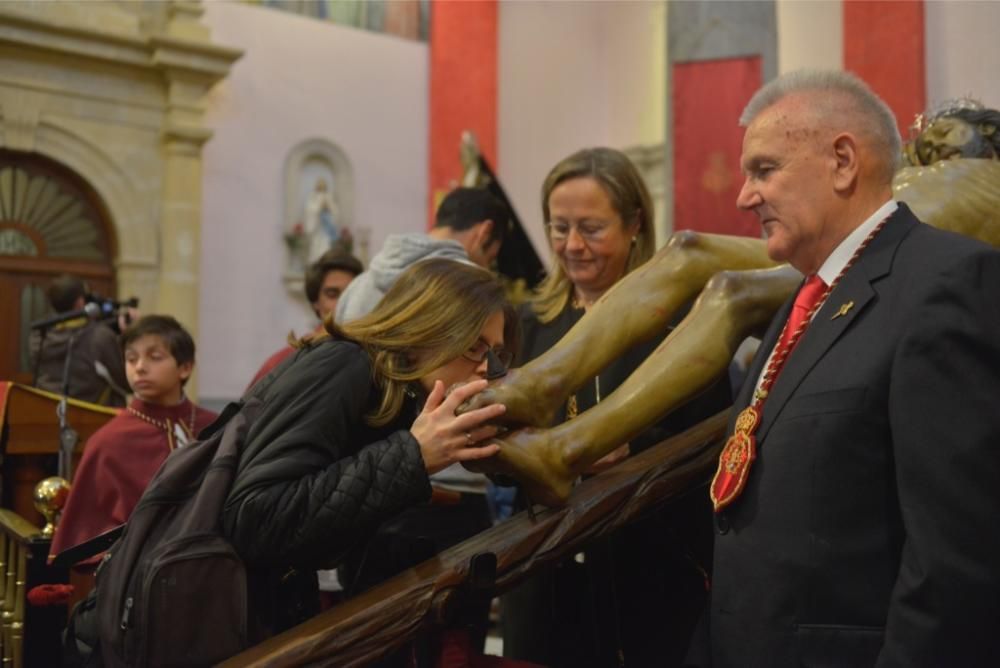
[{"x": 732, "y": 306}]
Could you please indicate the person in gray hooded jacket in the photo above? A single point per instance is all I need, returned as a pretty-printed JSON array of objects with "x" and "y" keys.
[{"x": 469, "y": 227}]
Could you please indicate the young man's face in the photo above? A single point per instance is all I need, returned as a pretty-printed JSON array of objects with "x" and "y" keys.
[
  {"x": 334, "y": 284},
  {"x": 153, "y": 373}
]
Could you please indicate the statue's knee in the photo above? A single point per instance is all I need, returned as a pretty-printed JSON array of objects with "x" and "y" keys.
[
  {"x": 725, "y": 285},
  {"x": 684, "y": 239},
  {"x": 681, "y": 253}
]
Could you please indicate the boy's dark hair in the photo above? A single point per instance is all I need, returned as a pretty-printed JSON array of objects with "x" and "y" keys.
[
  {"x": 64, "y": 291},
  {"x": 464, "y": 207},
  {"x": 327, "y": 262},
  {"x": 178, "y": 341}
]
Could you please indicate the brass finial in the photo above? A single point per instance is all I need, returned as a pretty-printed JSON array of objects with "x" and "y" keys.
[{"x": 50, "y": 497}]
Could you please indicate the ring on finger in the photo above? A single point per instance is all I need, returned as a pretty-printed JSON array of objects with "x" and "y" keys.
[{"x": 468, "y": 438}]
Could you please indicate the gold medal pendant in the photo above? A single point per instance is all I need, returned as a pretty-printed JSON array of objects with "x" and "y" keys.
[{"x": 734, "y": 462}]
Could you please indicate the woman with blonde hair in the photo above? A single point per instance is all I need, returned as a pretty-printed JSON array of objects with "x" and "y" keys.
[
  {"x": 351, "y": 426},
  {"x": 595, "y": 611},
  {"x": 616, "y": 238}
]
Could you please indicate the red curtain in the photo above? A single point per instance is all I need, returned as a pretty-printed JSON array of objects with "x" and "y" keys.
[
  {"x": 708, "y": 97},
  {"x": 463, "y": 87},
  {"x": 884, "y": 45}
]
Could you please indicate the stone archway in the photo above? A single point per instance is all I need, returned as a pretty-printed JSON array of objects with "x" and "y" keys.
[{"x": 52, "y": 221}]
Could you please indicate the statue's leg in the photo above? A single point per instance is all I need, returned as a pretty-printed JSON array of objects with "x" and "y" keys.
[
  {"x": 636, "y": 309},
  {"x": 733, "y": 306}
]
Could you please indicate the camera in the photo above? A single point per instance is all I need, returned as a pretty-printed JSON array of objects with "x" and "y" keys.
[{"x": 109, "y": 307}]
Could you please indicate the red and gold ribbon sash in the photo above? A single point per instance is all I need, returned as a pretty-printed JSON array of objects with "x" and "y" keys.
[{"x": 740, "y": 449}]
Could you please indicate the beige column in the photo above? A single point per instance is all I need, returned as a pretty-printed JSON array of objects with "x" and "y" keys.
[
  {"x": 191, "y": 66},
  {"x": 180, "y": 227}
]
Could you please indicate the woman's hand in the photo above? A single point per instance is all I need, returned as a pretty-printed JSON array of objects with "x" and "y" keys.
[{"x": 445, "y": 438}]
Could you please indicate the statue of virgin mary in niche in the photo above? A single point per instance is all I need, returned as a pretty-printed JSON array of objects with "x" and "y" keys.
[{"x": 320, "y": 217}]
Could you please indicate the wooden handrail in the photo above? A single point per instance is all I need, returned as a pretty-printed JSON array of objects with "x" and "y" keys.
[
  {"x": 376, "y": 622},
  {"x": 16, "y": 526}
]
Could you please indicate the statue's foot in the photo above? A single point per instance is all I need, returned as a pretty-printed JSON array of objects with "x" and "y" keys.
[
  {"x": 528, "y": 404},
  {"x": 531, "y": 457}
]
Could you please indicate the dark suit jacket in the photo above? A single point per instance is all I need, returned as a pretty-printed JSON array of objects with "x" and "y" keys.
[{"x": 869, "y": 531}]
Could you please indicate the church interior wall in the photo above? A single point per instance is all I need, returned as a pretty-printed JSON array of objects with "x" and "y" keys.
[
  {"x": 810, "y": 34},
  {"x": 570, "y": 75},
  {"x": 299, "y": 79},
  {"x": 962, "y": 51}
]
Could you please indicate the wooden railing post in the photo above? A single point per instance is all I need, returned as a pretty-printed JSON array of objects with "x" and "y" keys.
[
  {"x": 4, "y": 543},
  {"x": 30, "y": 634},
  {"x": 20, "y": 594},
  {"x": 10, "y": 579}
]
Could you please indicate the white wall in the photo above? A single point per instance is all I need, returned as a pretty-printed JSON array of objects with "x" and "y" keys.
[
  {"x": 810, "y": 35},
  {"x": 963, "y": 53},
  {"x": 299, "y": 79},
  {"x": 573, "y": 75}
]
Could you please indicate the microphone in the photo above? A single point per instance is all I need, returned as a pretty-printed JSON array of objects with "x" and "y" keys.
[
  {"x": 105, "y": 375},
  {"x": 91, "y": 310}
]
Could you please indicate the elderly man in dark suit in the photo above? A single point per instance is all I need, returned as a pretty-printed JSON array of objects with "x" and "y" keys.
[{"x": 857, "y": 501}]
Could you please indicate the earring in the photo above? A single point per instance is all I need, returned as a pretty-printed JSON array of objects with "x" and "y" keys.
[{"x": 633, "y": 241}]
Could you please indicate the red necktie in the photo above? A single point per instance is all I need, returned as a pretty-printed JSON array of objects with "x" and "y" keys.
[{"x": 805, "y": 301}]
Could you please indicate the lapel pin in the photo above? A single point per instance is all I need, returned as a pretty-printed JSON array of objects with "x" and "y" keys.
[{"x": 844, "y": 308}]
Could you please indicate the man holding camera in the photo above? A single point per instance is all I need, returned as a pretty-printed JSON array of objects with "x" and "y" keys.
[{"x": 95, "y": 371}]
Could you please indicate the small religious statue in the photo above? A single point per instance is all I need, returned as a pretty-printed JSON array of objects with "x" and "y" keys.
[
  {"x": 472, "y": 176},
  {"x": 320, "y": 221}
]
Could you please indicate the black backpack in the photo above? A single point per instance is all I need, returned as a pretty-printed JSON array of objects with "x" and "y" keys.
[{"x": 172, "y": 591}]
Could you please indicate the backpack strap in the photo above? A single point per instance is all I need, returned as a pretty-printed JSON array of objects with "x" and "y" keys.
[
  {"x": 88, "y": 548},
  {"x": 231, "y": 409}
]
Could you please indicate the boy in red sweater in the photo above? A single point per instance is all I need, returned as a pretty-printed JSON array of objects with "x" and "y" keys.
[{"x": 120, "y": 458}]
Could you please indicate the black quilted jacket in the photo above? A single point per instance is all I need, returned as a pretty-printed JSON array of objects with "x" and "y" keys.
[{"x": 314, "y": 480}]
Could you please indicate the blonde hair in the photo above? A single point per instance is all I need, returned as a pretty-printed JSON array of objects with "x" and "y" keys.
[
  {"x": 630, "y": 199},
  {"x": 433, "y": 313}
]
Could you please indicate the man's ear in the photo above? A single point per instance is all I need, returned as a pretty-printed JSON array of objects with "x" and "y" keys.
[
  {"x": 185, "y": 370},
  {"x": 484, "y": 230},
  {"x": 846, "y": 166}
]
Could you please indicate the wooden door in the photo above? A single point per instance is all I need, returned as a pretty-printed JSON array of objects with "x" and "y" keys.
[{"x": 51, "y": 222}]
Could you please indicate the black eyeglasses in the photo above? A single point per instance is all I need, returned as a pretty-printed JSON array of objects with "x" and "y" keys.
[{"x": 481, "y": 350}]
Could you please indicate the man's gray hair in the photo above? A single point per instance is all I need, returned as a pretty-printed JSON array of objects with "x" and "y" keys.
[{"x": 877, "y": 120}]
